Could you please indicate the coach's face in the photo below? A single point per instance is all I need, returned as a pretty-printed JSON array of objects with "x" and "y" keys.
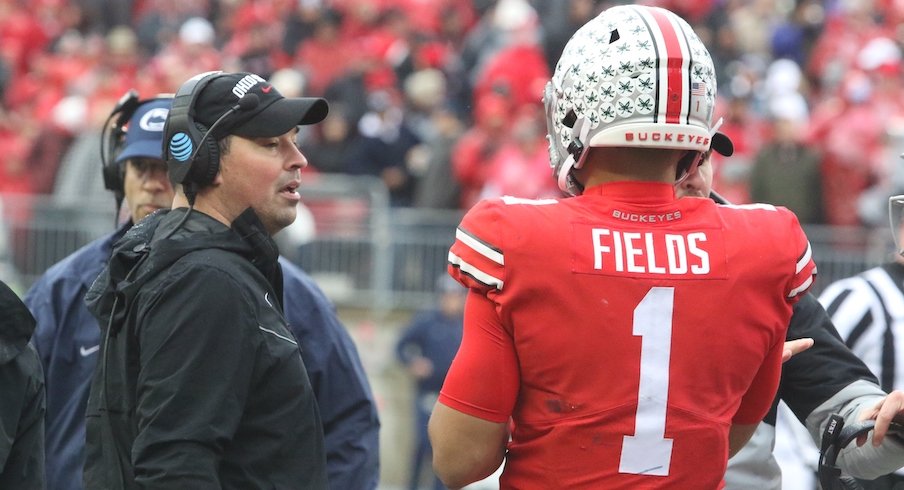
[
  {"x": 264, "y": 173},
  {"x": 699, "y": 183},
  {"x": 146, "y": 187}
]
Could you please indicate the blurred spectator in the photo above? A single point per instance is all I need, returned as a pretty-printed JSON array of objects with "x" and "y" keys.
[
  {"x": 255, "y": 34},
  {"x": 746, "y": 128},
  {"x": 504, "y": 23},
  {"x": 300, "y": 24},
  {"x": 521, "y": 166},
  {"x": 560, "y": 23},
  {"x": 848, "y": 27},
  {"x": 158, "y": 22},
  {"x": 425, "y": 93},
  {"x": 478, "y": 145},
  {"x": 52, "y": 142},
  {"x": 103, "y": 15},
  {"x": 794, "y": 37},
  {"x": 426, "y": 349},
  {"x": 15, "y": 183},
  {"x": 327, "y": 146},
  {"x": 191, "y": 52},
  {"x": 786, "y": 172},
  {"x": 519, "y": 71},
  {"x": 14, "y": 175},
  {"x": 391, "y": 43},
  {"x": 850, "y": 131},
  {"x": 324, "y": 56},
  {"x": 382, "y": 146},
  {"x": 78, "y": 183},
  {"x": 437, "y": 187},
  {"x": 22, "y": 36},
  {"x": 438, "y": 129}
]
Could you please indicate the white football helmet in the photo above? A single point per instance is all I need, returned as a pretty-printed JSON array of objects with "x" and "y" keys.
[{"x": 633, "y": 76}]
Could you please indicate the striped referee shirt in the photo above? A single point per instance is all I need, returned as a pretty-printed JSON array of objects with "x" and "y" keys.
[{"x": 868, "y": 312}]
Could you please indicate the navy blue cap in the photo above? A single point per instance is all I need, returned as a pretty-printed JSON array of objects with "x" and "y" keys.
[{"x": 144, "y": 133}]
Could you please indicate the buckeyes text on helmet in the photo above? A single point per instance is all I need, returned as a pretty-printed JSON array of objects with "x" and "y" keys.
[{"x": 634, "y": 76}]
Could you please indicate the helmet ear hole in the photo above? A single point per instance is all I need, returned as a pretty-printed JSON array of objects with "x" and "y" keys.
[{"x": 570, "y": 119}]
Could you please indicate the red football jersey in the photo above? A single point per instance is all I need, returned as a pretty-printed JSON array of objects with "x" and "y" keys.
[{"x": 623, "y": 331}]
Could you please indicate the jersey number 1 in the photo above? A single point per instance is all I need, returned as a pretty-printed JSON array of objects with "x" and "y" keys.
[{"x": 648, "y": 452}]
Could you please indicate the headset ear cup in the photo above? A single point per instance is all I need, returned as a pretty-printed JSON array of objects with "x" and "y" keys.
[
  {"x": 112, "y": 172},
  {"x": 207, "y": 162}
]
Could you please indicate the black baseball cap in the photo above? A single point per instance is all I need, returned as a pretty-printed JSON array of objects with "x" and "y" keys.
[
  {"x": 262, "y": 113},
  {"x": 721, "y": 143}
]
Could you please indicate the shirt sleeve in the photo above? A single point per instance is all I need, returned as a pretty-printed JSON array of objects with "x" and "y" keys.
[
  {"x": 348, "y": 412},
  {"x": 817, "y": 374},
  {"x": 38, "y": 301},
  {"x": 758, "y": 399},
  {"x": 196, "y": 362},
  {"x": 804, "y": 266},
  {"x": 476, "y": 258},
  {"x": 487, "y": 353}
]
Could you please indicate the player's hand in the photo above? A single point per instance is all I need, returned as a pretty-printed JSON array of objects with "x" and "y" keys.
[
  {"x": 883, "y": 412},
  {"x": 794, "y": 347}
]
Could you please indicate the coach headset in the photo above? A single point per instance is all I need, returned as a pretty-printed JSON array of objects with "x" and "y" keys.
[
  {"x": 836, "y": 437},
  {"x": 192, "y": 157}
]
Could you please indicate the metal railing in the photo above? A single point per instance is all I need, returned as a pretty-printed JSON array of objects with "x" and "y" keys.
[{"x": 362, "y": 252}]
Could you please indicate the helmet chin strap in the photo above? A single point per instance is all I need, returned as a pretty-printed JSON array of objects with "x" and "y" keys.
[
  {"x": 577, "y": 154},
  {"x": 562, "y": 179},
  {"x": 684, "y": 168},
  {"x": 699, "y": 157}
]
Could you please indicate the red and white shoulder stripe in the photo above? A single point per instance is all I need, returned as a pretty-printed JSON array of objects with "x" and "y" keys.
[
  {"x": 804, "y": 273},
  {"x": 476, "y": 263},
  {"x": 476, "y": 259}
]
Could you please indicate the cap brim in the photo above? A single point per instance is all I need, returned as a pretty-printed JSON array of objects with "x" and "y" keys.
[
  {"x": 141, "y": 149},
  {"x": 281, "y": 116},
  {"x": 721, "y": 144}
]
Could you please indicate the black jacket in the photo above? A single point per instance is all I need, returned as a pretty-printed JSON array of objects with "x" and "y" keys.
[
  {"x": 199, "y": 383},
  {"x": 21, "y": 398}
]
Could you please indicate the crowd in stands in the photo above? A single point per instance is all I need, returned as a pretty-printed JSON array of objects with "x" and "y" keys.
[{"x": 441, "y": 99}]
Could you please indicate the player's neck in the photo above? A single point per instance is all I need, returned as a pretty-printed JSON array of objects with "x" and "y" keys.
[{"x": 604, "y": 165}]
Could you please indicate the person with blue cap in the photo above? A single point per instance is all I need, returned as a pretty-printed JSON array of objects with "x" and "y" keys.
[{"x": 67, "y": 337}]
